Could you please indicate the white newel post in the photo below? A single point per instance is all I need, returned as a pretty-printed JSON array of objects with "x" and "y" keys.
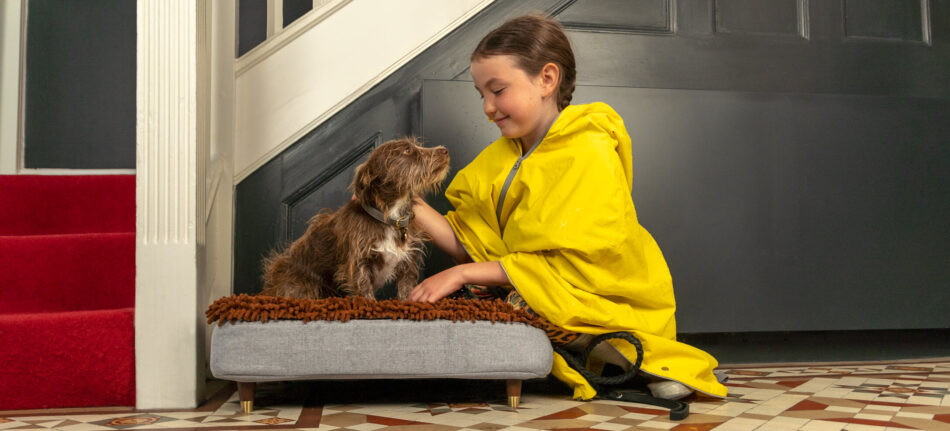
[{"x": 167, "y": 176}]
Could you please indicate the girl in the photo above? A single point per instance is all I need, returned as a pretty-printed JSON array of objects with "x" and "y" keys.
[{"x": 546, "y": 211}]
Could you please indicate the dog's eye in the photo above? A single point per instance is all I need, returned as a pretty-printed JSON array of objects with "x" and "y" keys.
[{"x": 407, "y": 151}]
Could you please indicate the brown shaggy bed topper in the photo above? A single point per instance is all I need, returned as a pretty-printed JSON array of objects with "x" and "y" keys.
[{"x": 258, "y": 308}]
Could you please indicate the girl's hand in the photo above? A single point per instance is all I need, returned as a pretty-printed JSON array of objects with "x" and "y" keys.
[{"x": 438, "y": 286}]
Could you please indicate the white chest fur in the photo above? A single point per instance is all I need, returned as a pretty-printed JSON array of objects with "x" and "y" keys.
[{"x": 392, "y": 254}]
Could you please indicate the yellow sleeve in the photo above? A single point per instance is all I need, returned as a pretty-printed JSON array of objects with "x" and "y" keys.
[{"x": 475, "y": 228}]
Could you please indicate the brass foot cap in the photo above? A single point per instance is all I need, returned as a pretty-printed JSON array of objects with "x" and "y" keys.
[
  {"x": 247, "y": 406},
  {"x": 513, "y": 402}
]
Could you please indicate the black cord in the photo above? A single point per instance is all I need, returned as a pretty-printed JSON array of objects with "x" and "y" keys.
[
  {"x": 579, "y": 363},
  {"x": 678, "y": 409}
]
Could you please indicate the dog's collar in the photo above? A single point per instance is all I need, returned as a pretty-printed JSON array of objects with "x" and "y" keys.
[{"x": 401, "y": 224}]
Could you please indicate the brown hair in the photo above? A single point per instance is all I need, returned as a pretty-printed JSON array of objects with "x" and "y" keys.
[{"x": 534, "y": 40}]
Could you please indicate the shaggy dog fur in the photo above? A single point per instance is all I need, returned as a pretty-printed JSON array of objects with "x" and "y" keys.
[{"x": 348, "y": 252}]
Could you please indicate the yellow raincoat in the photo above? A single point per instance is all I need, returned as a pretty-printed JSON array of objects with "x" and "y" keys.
[{"x": 569, "y": 240}]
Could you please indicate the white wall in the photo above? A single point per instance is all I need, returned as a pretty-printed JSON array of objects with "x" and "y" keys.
[
  {"x": 9, "y": 84},
  {"x": 284, "y": 96}
]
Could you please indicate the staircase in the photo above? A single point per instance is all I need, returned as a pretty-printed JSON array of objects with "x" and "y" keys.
[{"x": 67, "y": 291}]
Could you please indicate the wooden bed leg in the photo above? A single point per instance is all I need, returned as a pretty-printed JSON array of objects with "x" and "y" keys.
[
  {"x": 246, "y": 395},
  {"x": 513, "y": 387}
]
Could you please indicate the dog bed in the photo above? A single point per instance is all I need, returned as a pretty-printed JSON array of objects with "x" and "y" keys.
[{"x": 265, "y": 339}]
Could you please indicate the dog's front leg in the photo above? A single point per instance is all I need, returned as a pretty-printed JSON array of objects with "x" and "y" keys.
[
  {"x": 356, "y": 278},
  {"x": 407, "y": 277}
]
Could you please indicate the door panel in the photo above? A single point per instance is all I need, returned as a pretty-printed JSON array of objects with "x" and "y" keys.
[{"x": 79, "y": 99}]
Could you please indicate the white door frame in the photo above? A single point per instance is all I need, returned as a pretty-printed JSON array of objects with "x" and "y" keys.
[
  {"x": 13, "y": 37},
  {"x": 12, "y": 13}
]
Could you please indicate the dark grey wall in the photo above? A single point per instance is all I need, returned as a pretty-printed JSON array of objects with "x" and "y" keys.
[
  {"x": 791, "y": 155},
  {"x": 80, "y": 84},
  {"x": 775, "y": 211}
]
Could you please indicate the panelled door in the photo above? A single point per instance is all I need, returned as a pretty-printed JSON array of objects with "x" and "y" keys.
[{"x": 791, "y": 157}]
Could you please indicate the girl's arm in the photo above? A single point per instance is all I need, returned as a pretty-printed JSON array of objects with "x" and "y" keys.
[
  {"x": 444, "y": 283},
  {"x": 439, "y": 229}
]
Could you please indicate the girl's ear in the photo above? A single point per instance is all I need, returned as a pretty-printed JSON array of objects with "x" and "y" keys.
[{"x": 550, "y": 78}]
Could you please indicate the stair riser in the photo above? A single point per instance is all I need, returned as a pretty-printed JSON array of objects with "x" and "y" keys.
[
  {"x": 74, "y": 359},
  {"x": 67, "y": 272},
  {"x": 42, "y": 205}
]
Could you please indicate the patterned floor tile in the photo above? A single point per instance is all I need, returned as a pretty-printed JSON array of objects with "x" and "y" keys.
[{"x": 877, "y": 396}]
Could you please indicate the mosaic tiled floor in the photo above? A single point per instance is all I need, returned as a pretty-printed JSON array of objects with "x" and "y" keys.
[{"x": 870, "y": 396}]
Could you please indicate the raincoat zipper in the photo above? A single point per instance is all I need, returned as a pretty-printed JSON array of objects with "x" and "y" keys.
[
  {"x": 514, "y": 170},
  {"x": 504, "y": 188}
]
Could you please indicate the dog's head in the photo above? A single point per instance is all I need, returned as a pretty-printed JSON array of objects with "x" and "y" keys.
[{"x": 398, "y": 170}]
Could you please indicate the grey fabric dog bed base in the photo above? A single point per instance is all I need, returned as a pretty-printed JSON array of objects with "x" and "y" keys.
[
  {"x": 252, "y": 352},
  {"x": 378, "y": 349}
]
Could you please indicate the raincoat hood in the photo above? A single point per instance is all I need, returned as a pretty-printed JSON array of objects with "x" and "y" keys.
[{"x": 568, "y": 237}]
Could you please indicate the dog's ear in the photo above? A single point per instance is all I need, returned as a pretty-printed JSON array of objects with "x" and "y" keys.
[{"x": 362, "y": 180}]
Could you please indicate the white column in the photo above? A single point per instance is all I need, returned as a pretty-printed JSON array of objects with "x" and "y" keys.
[{"x": 166, "y": 343}]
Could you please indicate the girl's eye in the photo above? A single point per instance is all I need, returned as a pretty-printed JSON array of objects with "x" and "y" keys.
[{"x": 498, "y": 91}]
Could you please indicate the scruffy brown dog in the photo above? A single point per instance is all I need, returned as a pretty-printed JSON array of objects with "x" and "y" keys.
[{"x": 371, "y": 240}]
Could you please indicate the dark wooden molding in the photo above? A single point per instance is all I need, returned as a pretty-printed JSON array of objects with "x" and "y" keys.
[
  {"x": 668, "y": 27},
  {"x": 345, "y": 161},
  {"x": 799, "y": 23},
  {"x": 921, "y": 22}
]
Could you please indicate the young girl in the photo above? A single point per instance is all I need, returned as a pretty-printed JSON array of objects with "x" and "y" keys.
[{"x": 546, "y": 211}]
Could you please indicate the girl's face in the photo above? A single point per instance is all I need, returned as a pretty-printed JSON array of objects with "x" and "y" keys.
[{"x": 522, "y": 106}]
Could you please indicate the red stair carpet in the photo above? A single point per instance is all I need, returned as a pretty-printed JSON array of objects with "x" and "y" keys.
[{"x": 67, "y": 291}]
